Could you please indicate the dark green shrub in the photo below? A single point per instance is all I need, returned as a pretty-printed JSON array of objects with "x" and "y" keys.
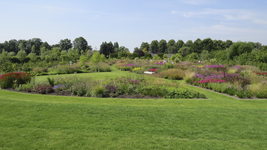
[
  {"x": 135, "y": 55},
  {"x": 148, "y": 56},
  {"x": 248, "y": 94},
  {"x": 161, "y": 55},
  {"x": 231, "y": 91},
  {"x": 51, "y": 81},
  {"x": 114, "y": 55},
  {"x": 240, "y": 94},
  {"x": 126, "y": 68}
]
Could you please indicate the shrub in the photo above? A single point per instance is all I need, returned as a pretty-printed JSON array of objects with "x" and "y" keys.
[
  {"x": 100, "y": 67},
  {"x": 139, "y": 70},
  {"x": 161, "y": 55},
  {"x": 39, "y": 70},
  {"x": 59, "y": 87},
  {"x": 153, "y": 70},
  {"x": 240, "y": 94},
  {"x": 174, "y": 74},
  {"x": 189, "y": 77},
  {"x": 98, "y": 91},
  {"x": 43, "y": 89},
  {"x": 7, "y": 80},
  {"x": 51, "y": 81},
  {"x": 148, "y": 56},
  {"x": 126, "y": 68}
]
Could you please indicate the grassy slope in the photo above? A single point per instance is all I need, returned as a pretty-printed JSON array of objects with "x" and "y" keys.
[{"x": 54, "y": 122}]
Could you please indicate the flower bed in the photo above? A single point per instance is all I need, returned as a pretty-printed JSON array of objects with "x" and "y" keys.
[{"x": 15, "y": 78}]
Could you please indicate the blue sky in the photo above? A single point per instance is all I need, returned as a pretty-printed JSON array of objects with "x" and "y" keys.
[{"x": 132, "y": 22}]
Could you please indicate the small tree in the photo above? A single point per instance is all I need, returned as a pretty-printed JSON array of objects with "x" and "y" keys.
[
  {"x": 83, "y": 60},
  {"x": 95, "y": 58},
  {"x": 21, "y": 55},
  {"x": 204, "y": 55},
  {"x": 33, "y": 57}
]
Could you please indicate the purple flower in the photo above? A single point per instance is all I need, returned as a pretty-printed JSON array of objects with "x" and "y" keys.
[
  {"x": 237, "y": 67},
  {"x": 130, "y": 65},
  {"x": 59, "y": 87}
]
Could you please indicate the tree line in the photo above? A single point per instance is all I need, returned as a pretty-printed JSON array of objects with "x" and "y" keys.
[{"x": 172, "y": 47}]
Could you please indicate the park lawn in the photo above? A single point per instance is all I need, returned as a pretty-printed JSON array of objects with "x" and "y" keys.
[
  {"x": 30, "y": 121},
  {"x": 96, "y": 75}
]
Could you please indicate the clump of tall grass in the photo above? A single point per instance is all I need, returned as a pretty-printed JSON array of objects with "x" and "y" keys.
[
  {"x": 189, "y": 76},
  {"x": 39, "y": 69},
  {"x": 100, "y": 67},
  {"x": 259, "y": 89},
  {"x": 175, "y": 74}
]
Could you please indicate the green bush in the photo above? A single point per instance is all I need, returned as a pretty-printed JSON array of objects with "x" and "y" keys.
[
  {"x": 126, "y": 68},
  {"x": 161, "y": 55},
  {"x": 98, "y": 91},
  {"x": 240, "y": 94}
]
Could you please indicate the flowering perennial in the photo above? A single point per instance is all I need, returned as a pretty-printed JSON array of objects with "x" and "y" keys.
[
  {"x": 129, "y": 65},
  {"x": 153, "y": 70},
  {"x": 59, "y": 87},
  {"x": 214, "y": 66},
  {"x": 211, "y": 81},
  {"x": 260, "y": 73},
  {"x": 7, "y": 80}
]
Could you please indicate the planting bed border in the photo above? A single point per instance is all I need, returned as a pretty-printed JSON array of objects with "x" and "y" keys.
[{"x": 237, "y": 98}]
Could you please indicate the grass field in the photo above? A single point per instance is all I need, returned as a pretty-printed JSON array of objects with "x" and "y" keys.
[{"x": 29, "y": 121}]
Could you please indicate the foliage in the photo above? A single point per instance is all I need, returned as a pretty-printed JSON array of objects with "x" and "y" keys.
[
  {"x": 239, "y": 48},
  {"x": 140, "y": 52},
  {"x": 80, "y": 43},
  {"x": 43, "y": 89},
  {"x": 65, "y": 44},
  {"x": 174, "y": 74},
  {"x": 21, "y": 55},
  {"x": 7, "y": 80}
]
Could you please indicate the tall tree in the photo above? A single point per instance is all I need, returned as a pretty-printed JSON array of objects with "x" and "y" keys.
[
  {"x": 21, "y": 55},
  {"x": 13, "y": 45},
  {"x": 154, "y": 46},
  {"x": 207, "y": 44},
  {"x": 228, "y": 43},
  {"x": 257, "y": 45},
  {"x": 65, "y": 44},
  {"x": 80, "y": 43},
  {"x": 33, "y": 49},
  {"x": 196, "y": 47},
  {"x": 110, "y": 47},
  {"x": 37, "y": 42},
  {"x": 239, "y": 48},
  {"x": 104, "y": 49},
  {"x": 179, "y": 44},
  {"x": 144, "y": 45},
  {"x": 116, "y": 45},
  {"x": 162, "y": 46},
  {"x": 188, "y": 43},
  {"x": 171, "y": 46},
  {"x": 46, "y": 45}
]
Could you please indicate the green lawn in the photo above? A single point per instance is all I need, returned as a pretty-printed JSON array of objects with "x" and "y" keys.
[{"x": 31, "y": 121}]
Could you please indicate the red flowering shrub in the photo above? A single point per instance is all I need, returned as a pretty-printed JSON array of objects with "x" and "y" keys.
[
  {"x": 260, "y": 73},
  {"x": 7, "y": 80},
  {"x": 153, "y": 70},
  {"x": 43, "y": 89}
]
